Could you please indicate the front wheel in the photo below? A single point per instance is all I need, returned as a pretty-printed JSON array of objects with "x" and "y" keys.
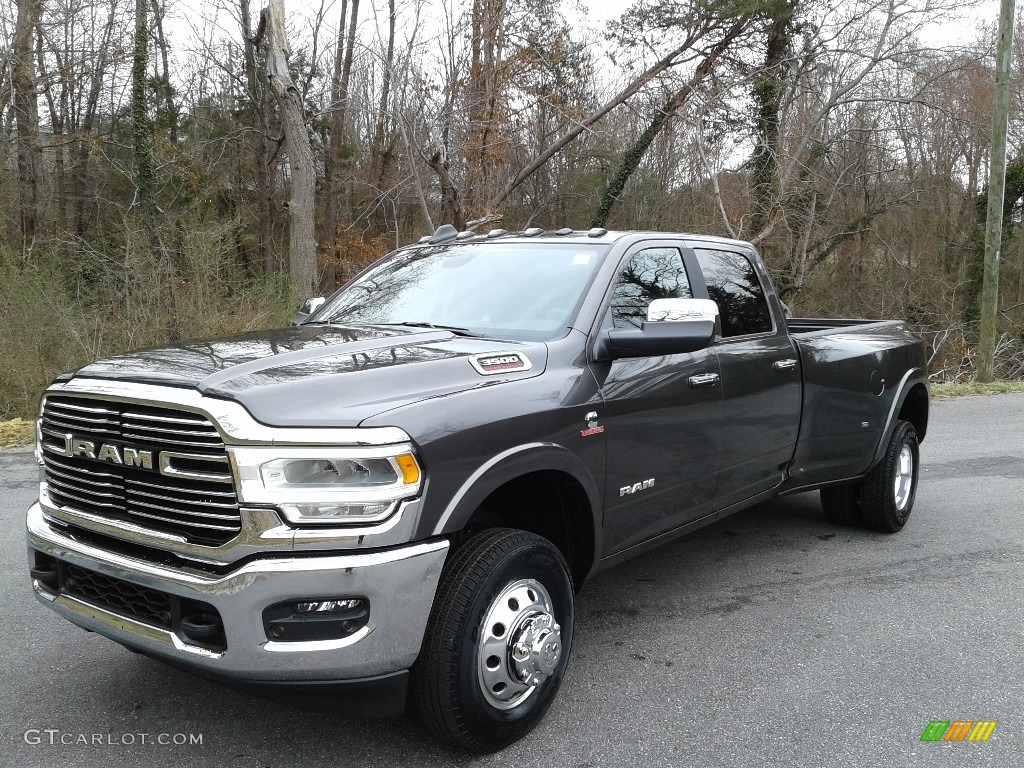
[
  {"x": 887, "y": 493},
  {"x": 497, "y": 642}
]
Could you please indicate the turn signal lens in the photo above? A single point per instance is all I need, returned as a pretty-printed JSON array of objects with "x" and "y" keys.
[{"x": 410, "y": 469}]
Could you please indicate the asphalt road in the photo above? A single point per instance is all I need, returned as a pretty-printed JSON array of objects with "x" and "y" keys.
[{"x": 769, "y": 639}]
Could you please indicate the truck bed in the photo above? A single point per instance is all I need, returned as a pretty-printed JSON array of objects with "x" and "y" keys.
[{"x": 852, "y": 372}]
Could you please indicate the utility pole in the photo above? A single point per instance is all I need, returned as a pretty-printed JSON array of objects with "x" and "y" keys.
[{"x": 996, "y": 184}]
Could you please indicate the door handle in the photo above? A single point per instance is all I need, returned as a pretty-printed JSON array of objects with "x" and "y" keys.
[
  {"x": 703, "y": 380},
  {"x": 784, "y": 365}
]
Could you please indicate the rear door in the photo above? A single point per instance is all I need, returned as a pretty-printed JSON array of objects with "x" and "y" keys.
[
  {"x": 661, "y": 415},
  {"x": 760, "y": 369}
]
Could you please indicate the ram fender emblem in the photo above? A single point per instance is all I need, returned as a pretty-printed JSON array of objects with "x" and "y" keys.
[
  {"x": 628, "y": 490},
  {"x": 593, "y": 428}
]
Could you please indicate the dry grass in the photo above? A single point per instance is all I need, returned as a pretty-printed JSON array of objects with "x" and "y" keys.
[
  {"x": 17, "y": 432},
  {"x": 60, "y": 310},
  {"x": 946, "y": 391}
]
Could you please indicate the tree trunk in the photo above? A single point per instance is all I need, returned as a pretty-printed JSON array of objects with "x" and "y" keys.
[
  {"x": 487, "y": 29},
  {"x": 767, "y": 93},
  {"x": 58, "y": 122},
  {"x": 167, "y": 91},
  {"x": 142, "y": 137},
  {"x": 377, "y": 155},
  {"x": 23, "y": 82},
  {"x": 258, "y": 108},
  {"x": 301, "y": 243},
  {"x": 452, "y": 208},
  {"x": 339, "y": 106}
]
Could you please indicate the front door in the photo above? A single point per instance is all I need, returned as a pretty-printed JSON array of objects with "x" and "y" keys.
[{"x": 661, "y": 415}]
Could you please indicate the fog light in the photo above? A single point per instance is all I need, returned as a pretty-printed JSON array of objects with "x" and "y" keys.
[
  {"x": 316, "y": 619},
  {"x": 328, "y": 606}
]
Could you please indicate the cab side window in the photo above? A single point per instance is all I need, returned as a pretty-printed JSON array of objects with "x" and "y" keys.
[
  {"x": 653, "y": 273},
  {"x": 733, "y": 285}
]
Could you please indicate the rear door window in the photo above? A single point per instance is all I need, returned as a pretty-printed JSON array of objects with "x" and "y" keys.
[{"x": 733, "y": 285}]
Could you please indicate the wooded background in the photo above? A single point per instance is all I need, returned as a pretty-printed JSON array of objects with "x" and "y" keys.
[{"x": 176, "y": 170}]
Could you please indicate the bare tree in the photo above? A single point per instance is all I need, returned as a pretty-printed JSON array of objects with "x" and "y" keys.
[
  {"x": 258, "y": 140},
  {"x": 301, "y": 242},
  {"x": 635, "y": 152},
  {"x": 142, "y": 132},
  {"x": 23, "y": 81},
  {"x": 340, "y": 81}
]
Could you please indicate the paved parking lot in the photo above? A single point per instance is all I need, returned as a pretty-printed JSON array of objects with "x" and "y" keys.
[{"x": 768, "y": 639}]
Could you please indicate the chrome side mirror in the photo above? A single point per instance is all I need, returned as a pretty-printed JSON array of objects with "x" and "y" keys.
[
  {"x": 309, "y": 306},
  {"x": 681, "y": 310},
  {"x": 673, "y": 327}
]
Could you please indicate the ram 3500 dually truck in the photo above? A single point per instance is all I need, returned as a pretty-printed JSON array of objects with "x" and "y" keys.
[{"x": 398, "y": 497}]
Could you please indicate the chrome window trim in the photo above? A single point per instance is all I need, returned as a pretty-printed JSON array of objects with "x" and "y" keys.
[{"x": 235, "y": 425}]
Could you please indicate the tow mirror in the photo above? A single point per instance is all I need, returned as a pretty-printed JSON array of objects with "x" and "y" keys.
[
  {"x": 673, "y": 327},
  {"x": 681, "y": 310},
  {"x": 309, "y": 306}
]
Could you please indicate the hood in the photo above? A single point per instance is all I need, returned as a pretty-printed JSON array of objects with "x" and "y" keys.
[{"x": 318, "y": 375}]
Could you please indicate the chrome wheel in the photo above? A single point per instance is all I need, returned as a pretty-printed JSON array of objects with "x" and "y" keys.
[
  {"x": 520, "y": 644},
  {"x": 904, "y": 480}
]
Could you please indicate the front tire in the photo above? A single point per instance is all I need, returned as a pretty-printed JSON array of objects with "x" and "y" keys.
[
  {"x": 887, "y": 493},
  {"x": 497, "y": 641}
]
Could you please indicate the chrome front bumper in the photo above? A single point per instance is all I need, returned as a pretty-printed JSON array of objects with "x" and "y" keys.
[{"x": 399, "y": 583}]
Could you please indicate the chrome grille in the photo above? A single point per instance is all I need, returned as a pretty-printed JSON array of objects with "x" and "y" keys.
[{"x": 195, "y": 499}]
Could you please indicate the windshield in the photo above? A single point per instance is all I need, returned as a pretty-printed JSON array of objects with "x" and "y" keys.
[{"x": 520, "y": 291}]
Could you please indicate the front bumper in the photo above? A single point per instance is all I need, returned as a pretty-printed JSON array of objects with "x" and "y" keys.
[{"x": 399, "y": 583}]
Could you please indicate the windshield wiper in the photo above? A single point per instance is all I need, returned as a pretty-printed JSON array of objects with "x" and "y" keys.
[{"x": 453, "y": 328}]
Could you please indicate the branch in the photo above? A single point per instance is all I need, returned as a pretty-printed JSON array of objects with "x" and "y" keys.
[
  {"x": 490, "y": 218},
  {"x": 639, "y": 82}
]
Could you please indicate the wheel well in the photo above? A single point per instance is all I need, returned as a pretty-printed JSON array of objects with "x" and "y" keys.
[
  {"x": 915, "y": 409},
  {"x": 551, "y": 504}
]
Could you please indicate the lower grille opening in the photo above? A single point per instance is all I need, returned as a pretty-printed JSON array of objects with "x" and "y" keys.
[
  {"x": 140, "y": 603},
  {"x": 195, "y": 622}
]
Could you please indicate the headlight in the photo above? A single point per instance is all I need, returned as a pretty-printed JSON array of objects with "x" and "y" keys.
[{"x": 325, "y": 485}]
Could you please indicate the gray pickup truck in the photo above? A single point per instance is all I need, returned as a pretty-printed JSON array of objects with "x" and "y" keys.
[{"x": 398, "y": 498}]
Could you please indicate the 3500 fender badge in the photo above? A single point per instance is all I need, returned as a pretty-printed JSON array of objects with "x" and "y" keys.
[{"x": 500, "y": 362}]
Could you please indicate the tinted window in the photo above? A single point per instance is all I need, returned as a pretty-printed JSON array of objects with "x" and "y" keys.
[
  {"x": 733, "y": 285},
  {"x": 653, "y": 273}
]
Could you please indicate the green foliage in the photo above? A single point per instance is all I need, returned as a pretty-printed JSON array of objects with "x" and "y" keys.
[{"x": 973, "y": 248}]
